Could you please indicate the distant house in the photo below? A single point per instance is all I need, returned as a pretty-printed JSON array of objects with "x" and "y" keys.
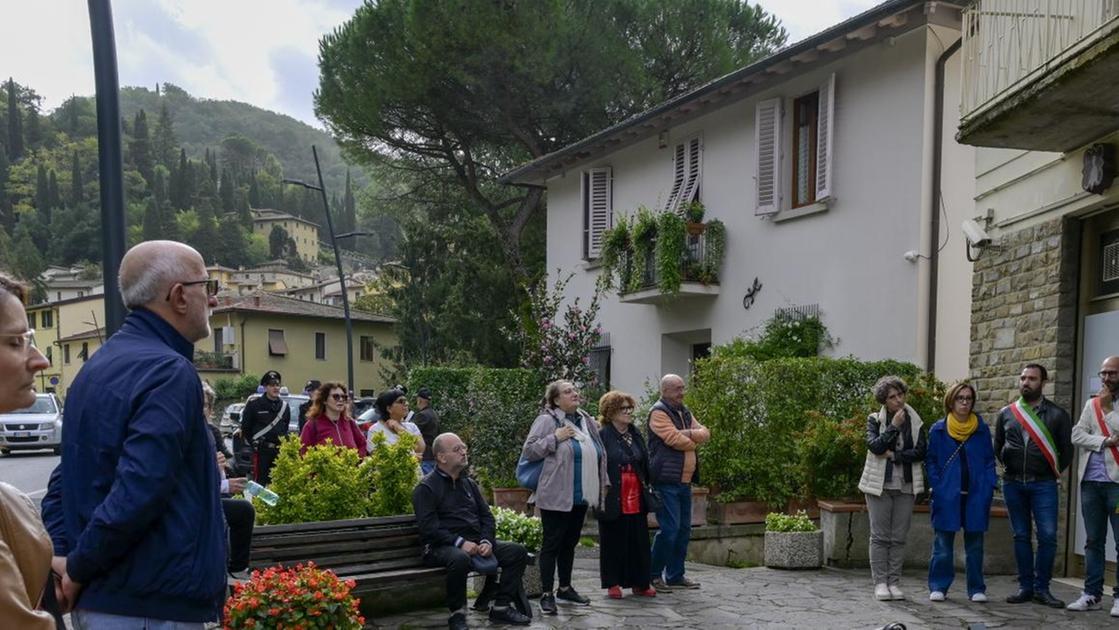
[
  {"x": 303, "y": 232},
  {"x": 65, "y": 283},
  {"x": 68, "y": 332},
  {"x": 831, "y": 164}
]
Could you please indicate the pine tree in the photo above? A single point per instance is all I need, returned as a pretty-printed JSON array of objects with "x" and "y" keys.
[
  {"x": 77, "y": 194},
  {"x": 164, "y": 142},
  {"x": 140, "y": 147},
  {"x": 15, "y": 124}
]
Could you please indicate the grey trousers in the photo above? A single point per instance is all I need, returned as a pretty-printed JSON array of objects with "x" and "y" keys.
[{"x": 889, "y": 525}]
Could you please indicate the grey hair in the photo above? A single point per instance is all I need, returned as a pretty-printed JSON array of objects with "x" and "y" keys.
[
  {"x": 154, "y": 278},
  {"x": 552, "y": 392},
  {"x": 208, "y": 393},
  {"x": 883, "y": 386}
]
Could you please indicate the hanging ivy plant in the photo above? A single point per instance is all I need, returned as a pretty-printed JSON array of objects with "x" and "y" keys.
[
  {"x": 716, "y": 245},
  {"x": 616, "y": 248},
  {"x": 644, "y": 236},
  {"x": 670, "y": 251}
]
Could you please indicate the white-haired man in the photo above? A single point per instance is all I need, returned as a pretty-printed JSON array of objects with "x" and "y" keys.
[{"x": 133, "y": 508}]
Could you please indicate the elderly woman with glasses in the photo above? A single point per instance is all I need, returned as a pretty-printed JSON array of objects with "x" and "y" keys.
[
  {"x": 962, "y": 478},
  {"x": 392, "y": 407},
  {"x": 891, "y": 478},
  {"x": 25, "y": 547},
  {"x": 328, "y": 420},
  {"x": 623, "y": 528}
]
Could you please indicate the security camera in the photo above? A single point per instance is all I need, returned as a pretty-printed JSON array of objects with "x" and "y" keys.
[{"x": 975, "y": 233}]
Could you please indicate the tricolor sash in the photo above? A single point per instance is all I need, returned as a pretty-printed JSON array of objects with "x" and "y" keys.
[
  {"x": 1098, "y": 408},
  {"x": 1038, "y": 432}
]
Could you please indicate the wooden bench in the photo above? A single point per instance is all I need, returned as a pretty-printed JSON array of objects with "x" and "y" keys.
[{"x": 382, "y": 555}]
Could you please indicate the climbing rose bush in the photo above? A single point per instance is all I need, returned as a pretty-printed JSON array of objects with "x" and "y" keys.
[{"x": 298, "y": 598}]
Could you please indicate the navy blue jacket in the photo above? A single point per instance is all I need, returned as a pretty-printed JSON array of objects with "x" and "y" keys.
[
  {"x": 134, "y": 503},
  {"x": 950, "y": 512}
]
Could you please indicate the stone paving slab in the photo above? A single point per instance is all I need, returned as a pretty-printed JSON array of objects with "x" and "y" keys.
[{"x": 834, "y": 599}]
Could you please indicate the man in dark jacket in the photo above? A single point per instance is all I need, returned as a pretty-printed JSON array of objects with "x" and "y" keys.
[
  {"x": 264, "y": 422},
  {"x": 1033, "y": 440},
  {"x": 457, "y": 530},
  {"x": 428, "y": 423},
  {"x": 133, "y": 508},
  {"x": 309, "y": 392}
]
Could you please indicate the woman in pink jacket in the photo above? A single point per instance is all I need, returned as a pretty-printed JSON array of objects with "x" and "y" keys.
[{"x": 329, "y": 422}]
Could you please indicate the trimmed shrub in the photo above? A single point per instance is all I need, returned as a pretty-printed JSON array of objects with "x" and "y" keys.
[
  {"x": 236, "y": 388},
  {"x": 390, "y": 472},
  {"x": 323, "y": 485}
]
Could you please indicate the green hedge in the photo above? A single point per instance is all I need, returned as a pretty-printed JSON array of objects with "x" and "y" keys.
[
  {"x": 491, "y": 409},
  {"x": 763, "y": 445}
]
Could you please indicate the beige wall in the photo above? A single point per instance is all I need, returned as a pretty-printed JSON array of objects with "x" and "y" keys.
[{"x": 306, "y": 236}]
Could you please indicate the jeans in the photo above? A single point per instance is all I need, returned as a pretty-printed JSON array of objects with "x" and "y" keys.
[
  {"x": 91, "y": 620},
  {"x": 942, "y": 565},
  {"x": 890, "y": 515},
  {"x": 670, "y": 546},
  {"x": 1098, "y": 500},
  {"x": 1039, "y": 499}
]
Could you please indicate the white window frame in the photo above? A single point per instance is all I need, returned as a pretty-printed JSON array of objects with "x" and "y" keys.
[
  {"x": 597, "y": 195},
  {"x": 687, "y": 173}
]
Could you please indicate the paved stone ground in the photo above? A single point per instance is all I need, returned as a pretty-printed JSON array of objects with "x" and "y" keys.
[{"x": 765, "y": 598}]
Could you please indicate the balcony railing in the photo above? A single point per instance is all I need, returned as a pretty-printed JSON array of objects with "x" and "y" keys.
[{"x": 1009, "y": 43}]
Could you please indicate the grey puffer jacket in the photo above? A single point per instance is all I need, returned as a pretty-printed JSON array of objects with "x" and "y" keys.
[{"x": 556, "y": 490}]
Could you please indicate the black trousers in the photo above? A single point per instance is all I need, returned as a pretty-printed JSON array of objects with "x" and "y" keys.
[
  {"x": 263, "y": 460},
  {"x": 239, "y": 515},
  {"x": 511, "y": 558},
  {"x": 561, "y": 534},
  {"x": 623, "y": 558}
]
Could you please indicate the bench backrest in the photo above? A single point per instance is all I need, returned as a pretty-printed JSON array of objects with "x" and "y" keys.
[{"x": 357, "y": 545}]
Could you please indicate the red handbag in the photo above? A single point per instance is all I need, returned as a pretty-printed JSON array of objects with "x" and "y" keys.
[{"x": 631, "y": 492}]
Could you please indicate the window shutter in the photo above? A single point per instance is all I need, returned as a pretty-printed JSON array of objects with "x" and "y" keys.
[
  {"x": 767, "y": 156},
  {"x": 694, "y": 149},
  {"x": 679, "y": 175},
  {"x": 825, "y": 130},
  {"x": 597, "y": 195}
]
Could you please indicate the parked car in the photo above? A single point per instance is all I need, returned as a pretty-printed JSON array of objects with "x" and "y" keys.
[
  {"x": 231, "y": 418},
  {"x": 361, "y": 405},
  {"x": 34, "y": 428},
  {"x": 293, "y": 400}
]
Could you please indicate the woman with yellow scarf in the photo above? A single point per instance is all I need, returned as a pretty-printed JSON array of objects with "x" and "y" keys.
[{"x": 961, "y": 471}]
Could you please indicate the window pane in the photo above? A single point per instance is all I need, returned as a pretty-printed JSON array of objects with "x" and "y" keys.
[{"x": 804, "y": 149}]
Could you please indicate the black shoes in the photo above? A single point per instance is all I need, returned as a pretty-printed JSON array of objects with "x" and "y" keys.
[
  {"x": 569, "y": 594},
  {"x": 548, "y": 604},
  {"x": 1045, "y": 598},
  {"x": 1021, "y": 597},
  {"x": 509, "y": 615},
  {"x": 457, "y": 622}
]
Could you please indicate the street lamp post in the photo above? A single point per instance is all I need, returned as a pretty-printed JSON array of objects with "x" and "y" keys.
[{"x": 338, "y": 263}]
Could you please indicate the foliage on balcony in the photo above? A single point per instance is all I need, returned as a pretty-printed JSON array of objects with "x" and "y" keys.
[
  {"x": 213, "y": 361},
  {"x": 656, "y": 250}
]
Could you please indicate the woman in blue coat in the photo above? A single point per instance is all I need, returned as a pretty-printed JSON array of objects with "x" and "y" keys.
[{"x": 961, "y": 469}]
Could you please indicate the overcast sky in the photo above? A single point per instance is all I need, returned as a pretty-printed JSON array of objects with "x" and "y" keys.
[{"x": 259, "y": 51}]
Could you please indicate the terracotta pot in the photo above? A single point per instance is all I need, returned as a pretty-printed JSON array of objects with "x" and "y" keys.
[
  {"x": 515, "y": 499},
  {"x": 695, "y": 229},
  {"x": 738, "y": 512}
]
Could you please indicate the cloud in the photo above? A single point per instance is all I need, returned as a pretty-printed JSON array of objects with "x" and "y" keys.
[{"x": 804, "y": 18}]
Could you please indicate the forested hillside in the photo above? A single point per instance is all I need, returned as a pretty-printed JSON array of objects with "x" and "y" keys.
[{"x": 193, "y": 170}]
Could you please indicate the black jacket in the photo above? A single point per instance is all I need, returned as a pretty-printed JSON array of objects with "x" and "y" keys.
[
  {"x": 880, "y": 442},
  {"x": 617, "y": 455},
  {"x": 428, "y": 423},
  {"x": 1028, "y": 464},
  {"x": 448, "y": 510},
  {"x": 259, "y": 413}
]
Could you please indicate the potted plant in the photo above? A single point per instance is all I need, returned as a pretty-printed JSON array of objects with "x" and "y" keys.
[
  {"x": 300, "y": 596},
  {"x": 513, "y": 526},
  {"x": 693, "y": 214},
  {"x": 793, "y": 542}
]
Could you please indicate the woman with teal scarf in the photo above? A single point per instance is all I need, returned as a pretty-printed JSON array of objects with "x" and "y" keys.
[{"x": 962, "y": 478}]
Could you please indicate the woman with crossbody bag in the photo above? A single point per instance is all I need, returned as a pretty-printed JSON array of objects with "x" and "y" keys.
[{"x": 961, "y": 470}]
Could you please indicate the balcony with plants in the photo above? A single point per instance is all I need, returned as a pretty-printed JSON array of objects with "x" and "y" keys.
[
  {"x": 658, "y": 257},
  {"x": 1039, "y": 74}
]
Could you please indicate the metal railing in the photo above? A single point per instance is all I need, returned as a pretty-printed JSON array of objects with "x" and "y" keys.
[
  {"x": 695, "y": 256},
  {"x": 1008, "y": 43}
]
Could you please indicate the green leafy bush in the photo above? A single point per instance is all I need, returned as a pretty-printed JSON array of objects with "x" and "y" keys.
[
  {"x": 236, "y": 388},
  {"x": 512, "y": 526},
  {"x": 757, "y": 410},
  {"x": 779, "y": 522},
  {"x": 390, "y": 472},
  {"x": 323, "y": 485},
  {"x": 783, "y": 336},
  {"x": 831, "y": 455},
  {"x": 671, "y": 251}
]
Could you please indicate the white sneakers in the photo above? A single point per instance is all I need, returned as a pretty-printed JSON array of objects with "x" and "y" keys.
[
  {"x": 1086, "y": 602},
  {"x": 882, "y": 593},
  {"x": 979, "y": 598},
  {"x": 1115, "y": 608},
  {"x": 895, "y": 592},
  {"x": 936, "y": 596}
]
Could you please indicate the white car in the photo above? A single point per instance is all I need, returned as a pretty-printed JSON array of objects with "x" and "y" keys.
[
  {"x": 231, "y": 419},
  {"x": 35, "y": 428}
]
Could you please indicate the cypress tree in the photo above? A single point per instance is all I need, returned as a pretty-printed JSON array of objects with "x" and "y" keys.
[
  {"x": 15, "y": 124},
  {"x": 153, "y": 221},
  {"x": 226, "y": 192},
  {"x": 77, "y": 195},
  {"x": 54, "y": 200},
  {"x": 164, "y": 142},
  {"x": 254, "y": 192},
  {"x": 42, "y": 189},
  {"x": 140, "y": 147}
]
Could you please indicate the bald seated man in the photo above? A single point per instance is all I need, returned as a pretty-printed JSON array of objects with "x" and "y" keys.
[
  {"x": 133, "y": 509},
  {"x": 457, "y": 530},
  {"x": 1097, "y": 435}
]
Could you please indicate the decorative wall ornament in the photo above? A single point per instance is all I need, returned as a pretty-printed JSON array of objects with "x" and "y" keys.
[
  {"x": 751, "y": 294},
  {"x": 1099, "y": 168}
]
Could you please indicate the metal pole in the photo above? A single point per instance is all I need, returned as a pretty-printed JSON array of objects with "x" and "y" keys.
[
  {"x": 341, "y": 276},
  {"x": 109, "y": 158}
]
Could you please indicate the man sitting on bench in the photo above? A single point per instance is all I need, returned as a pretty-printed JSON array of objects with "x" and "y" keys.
[{"x": 457, "y": 531}]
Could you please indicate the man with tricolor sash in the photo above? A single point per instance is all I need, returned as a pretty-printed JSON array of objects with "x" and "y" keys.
[
  {"x": 1097, "y": 433},
  {"x": 1033, "y": 440}
]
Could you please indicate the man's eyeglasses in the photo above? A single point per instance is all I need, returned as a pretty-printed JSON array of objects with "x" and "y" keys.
[
  {"x": 339, "y": 397},
  {"x": 212, "y": 287},
  {"x": 24, "y": 341},
  {"x": 1108, "y": 373}
]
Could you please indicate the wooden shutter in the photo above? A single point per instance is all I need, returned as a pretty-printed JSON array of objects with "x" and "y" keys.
[
  {"x": 825, "y": 130},
  {"x": 767, "y": 156},
  {"x": 679, "y": 175},
  {"x": 597, "y": 209},
  {"x": 694, "y": 152}
]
